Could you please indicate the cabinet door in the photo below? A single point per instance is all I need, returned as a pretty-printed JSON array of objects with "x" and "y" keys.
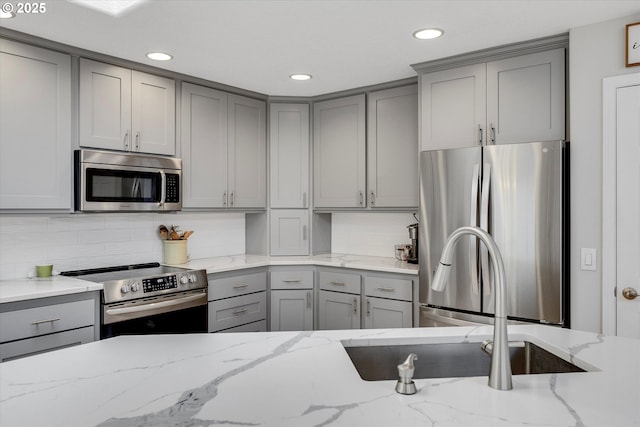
[
  {"x": 247, "y": 153},
  {"x": 292, "y": 310},
  {"x": 153, "y": 106},
  {"x": 339, "y": 153},
  {"x": 289, "y": 232},
  {"x": 105, "y": 106},
  {"x": 289, "y": 149},
  {"x": 453, "y": 108},
  {"x": 204, "y": 147},
  {"x": 525, "y": 98},
  {"x": 35, "y": 128},
  {"x": 338, "y": 311},
  {"x": 392, "y": 147},
  {"x": 383, "y": 313}
]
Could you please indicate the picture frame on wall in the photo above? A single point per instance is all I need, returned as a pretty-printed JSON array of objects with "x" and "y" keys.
[{"x": 633, "y": 44}]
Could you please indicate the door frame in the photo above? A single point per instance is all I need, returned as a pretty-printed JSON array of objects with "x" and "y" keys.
[{"x": 609, "y": 200}]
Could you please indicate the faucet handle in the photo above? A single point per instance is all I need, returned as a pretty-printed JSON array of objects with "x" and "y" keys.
[{"x": 405, "y": 384}]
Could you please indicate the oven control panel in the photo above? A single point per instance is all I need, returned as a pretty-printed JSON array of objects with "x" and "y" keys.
[{"x": 159, "y": 283}]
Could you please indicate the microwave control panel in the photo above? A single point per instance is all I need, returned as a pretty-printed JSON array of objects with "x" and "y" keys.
[{"x": 172, "y": 190}]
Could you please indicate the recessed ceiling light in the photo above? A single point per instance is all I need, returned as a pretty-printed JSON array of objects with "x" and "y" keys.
[
  {"x": 110, "y": 7},
  {"x": 300, "y": 76},
  {"x": 159, "y": 56},
  {"x": 428, "y": 33}
]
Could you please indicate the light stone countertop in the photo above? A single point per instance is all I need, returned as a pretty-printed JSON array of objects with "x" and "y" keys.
[
  {"x": 306, "y": 379},
  {"x": 26, "y": 289},
  {"x": 43, "y": 287}
]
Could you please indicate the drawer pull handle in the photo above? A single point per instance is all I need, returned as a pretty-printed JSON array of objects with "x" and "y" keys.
[
  {"x": 337, "y": 283},
  {"x": 243, "y": 286},
  {"x": 292, "y": 281},
  {"x": 308, "y": 299},
  {"x": 240, "y": 312},
  {"x": 386, "y": 289},
  {"x": 39, "y": 322}
]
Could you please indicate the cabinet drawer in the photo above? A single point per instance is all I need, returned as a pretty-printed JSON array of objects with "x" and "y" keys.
[
  {"x": 48, "y": 319},
  {"x": 259, "y": 326},
  {"x": 232, "y": 312},
  {"x": 292, "y": 279},
  {"x": 37, "y": 345},
  {"x": 226, "y": 287},
  {"x": 341, "y": 282},
  {"x": 386, "y": 287}
]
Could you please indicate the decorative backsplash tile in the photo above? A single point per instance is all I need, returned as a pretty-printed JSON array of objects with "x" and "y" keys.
[{"x": 75, "y": 241}]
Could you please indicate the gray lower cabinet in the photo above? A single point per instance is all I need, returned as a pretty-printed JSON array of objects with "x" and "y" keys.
[
  {"x": 46, "y": 324},
  {"x": 387, "y": 302},
  {"x": 292, "y": 299},
  {"x": 238, "y": 301},
  {"x": 338, "y": 300}
]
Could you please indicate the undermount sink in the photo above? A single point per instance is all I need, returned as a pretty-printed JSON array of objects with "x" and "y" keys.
[{"x": 451, "y": 360}]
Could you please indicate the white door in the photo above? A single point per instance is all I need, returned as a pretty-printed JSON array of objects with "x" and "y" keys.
[{"x": 628, "y": 211}]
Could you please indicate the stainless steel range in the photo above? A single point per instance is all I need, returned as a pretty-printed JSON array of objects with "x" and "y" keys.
[{"x": 149, "y": 299}]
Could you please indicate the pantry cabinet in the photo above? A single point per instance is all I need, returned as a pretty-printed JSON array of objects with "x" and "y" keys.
[
  {"x": 126, "y": 110},
  {"x": 511, "y": 100},
  {"x": 35, "y": 128},
  {"x": 223, "y": 149},
  {"x": 46, "y": 324},
  {"x": 292, "y": 299}
]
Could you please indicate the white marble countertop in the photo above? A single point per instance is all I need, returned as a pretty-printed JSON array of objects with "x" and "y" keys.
[
  {"x": 42, "y": 287},
  {"x": 361, "y": 262},
  {"x": 306, "y": 379}
]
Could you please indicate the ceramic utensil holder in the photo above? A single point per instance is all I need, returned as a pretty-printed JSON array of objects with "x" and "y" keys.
[
  {"x": 175, "y": 251},
  {"x": 44, "y": 270}
]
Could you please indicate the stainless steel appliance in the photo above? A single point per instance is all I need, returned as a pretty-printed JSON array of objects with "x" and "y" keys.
[
  {"x": 149, "y": 299},
  {"x": 413, "y": 247},
  {"x": 111, "y": 181},
  {"x": 518, "y": 193}
]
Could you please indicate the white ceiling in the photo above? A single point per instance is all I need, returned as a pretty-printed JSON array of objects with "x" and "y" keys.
[{"x": 257, "y": 44}]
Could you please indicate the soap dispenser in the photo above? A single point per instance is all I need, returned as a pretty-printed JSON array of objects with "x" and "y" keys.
[{"x": 405, "y": 383}]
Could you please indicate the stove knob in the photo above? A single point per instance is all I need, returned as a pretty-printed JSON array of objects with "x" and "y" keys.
[
  {"x": 125, "y": 288},
  {"x": 192, "y": 278},
  {"x": 184, "y": 280},
  {"x": 135, "y": 287}
]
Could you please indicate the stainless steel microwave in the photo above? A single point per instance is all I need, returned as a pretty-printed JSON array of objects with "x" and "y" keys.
[{"x": 121, "y": 182}]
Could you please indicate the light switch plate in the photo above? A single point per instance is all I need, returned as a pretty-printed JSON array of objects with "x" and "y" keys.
[{"x": 588, "y": 259}]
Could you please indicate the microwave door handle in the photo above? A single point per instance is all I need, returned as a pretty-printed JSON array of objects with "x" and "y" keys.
[{"x": 163, "y": 187}]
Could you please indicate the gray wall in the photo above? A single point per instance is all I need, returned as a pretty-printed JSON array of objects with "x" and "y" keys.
[{"x": 596, "y": 51}]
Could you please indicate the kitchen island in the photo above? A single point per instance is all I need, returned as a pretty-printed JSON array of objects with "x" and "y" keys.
[{"x": 307, "y": 379}]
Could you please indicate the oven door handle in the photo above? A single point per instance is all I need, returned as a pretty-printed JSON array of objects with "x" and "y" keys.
[{"x": 154, "y": 305}]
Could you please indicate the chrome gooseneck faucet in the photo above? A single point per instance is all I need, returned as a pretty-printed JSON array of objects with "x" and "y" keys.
[{"x": 500, "y": 371}]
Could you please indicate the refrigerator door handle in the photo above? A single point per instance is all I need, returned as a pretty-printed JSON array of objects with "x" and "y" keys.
[
  {"x": 473, "y": 220},
  {"x": 484, "y": 224}
]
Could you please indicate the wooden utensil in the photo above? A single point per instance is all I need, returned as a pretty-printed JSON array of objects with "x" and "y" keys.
[
  {"x": 164, "y": 232},
  {"x": 186, "y": 235}
]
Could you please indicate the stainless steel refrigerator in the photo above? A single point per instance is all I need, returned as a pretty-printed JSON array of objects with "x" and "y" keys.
[{"x": 518, "y": 193}]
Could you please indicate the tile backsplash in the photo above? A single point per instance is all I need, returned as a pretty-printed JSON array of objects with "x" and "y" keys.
[{"x": 74, "y": 241}]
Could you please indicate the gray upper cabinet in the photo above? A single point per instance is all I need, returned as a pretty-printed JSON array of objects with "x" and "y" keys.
[
  {"x": 247, "y": 153},
  {"x": 204, "y": 147},
  {"x": 223, "y": 149},
  {"x": 289, "y": 155},
  {"x": 527, "y": 101},
  {"x": 339, "y": 153},
  {"x": 392, "y": 147},
  {"x": 126, "y": 110},
  {"x": 453, "y": 107},
  {"x": 35, "y": 128},
  {"x": 518, "y": 99}
]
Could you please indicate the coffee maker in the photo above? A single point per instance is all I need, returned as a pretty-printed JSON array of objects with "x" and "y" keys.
[{"x": 413, "y": 250}]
